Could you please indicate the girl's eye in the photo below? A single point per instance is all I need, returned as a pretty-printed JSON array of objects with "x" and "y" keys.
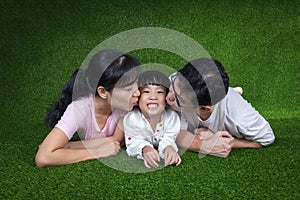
[
  {"x": 160, "y": 92},
  {"x": 145, "y": 91}
]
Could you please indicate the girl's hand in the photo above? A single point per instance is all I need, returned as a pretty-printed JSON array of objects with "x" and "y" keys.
[
  {"x": 151, "y": 157},
  {"x": 171, "y": 156}
]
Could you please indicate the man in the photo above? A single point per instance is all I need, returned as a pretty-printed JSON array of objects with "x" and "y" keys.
[{"x": 215, "y": 118}]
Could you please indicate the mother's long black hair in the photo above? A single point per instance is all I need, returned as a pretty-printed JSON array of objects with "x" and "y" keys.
[{"x": 107, "y": 68}]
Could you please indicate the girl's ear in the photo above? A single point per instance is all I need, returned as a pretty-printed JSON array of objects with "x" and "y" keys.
[{"x": 102, "y": 92}]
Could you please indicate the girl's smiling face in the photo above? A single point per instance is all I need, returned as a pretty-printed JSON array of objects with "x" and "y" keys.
[{"x": 152, "y": 100}]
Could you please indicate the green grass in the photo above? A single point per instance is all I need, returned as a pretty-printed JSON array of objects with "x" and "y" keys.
[{"x": 43, "y": 42}]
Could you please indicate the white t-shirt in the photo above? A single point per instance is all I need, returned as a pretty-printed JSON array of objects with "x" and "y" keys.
[
  {"x": 80, "y": 117},
  {"x": 138, "y": 132},
  {"x": 235, "y": 115}
]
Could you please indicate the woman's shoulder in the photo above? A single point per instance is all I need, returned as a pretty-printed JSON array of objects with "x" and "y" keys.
[
  {"x": 84, "y": 100},
  {"x": 82, "y": 108}
]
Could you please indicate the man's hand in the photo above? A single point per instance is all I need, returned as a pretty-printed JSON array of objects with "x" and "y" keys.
[
  {"x": 171, "y": 156},
  {"x": 151, "y": 157},
  {"x": 216, "y": 144}
]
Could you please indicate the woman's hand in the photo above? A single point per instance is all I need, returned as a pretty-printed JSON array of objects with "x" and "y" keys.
[{"x": 109, "y": 148}]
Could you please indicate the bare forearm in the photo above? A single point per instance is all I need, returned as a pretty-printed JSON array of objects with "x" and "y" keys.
[
  {"x": 57, "y": 150},
  {"x": 242, "y": 143},
  {"x": 119, "y": 133},
  {"x": 45, "y": 158},
  {"x": 61, "y": 156},
  {"x": 83, "y": 144},
  {"x": 188, "y": 141}
]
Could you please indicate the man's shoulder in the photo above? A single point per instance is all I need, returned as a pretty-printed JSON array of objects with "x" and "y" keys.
[{"x": 233, "y": 99}]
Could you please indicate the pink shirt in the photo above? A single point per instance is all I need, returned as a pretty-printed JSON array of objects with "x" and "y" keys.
[{"x": 80, "y": 117}]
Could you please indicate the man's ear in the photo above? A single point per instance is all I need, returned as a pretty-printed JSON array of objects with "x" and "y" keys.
[
  {"x": 102, "y": 92},
  {"x": 206, "y": 108}
]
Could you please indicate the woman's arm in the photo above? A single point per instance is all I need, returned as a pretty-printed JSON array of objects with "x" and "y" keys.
[
  {"x": 92, "y": 143},
  {"x": 119, "y": 133},
  {"x": 82, "y": 144},
  {"x": 52, "y": 151}
]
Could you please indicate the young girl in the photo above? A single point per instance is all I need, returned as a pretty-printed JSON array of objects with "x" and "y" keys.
[
  {"x": 91, "y": 104},
  {"x": 152, "y": 124}
]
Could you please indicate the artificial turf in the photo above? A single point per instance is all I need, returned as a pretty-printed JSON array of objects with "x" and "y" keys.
[{"x": 43, "y": 42}]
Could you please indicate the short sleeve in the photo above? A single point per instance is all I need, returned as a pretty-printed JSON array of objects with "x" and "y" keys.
[{"x": 67, "y": 122}]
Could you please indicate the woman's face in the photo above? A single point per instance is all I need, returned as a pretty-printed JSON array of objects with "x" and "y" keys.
[{"x": 125, "y": 98}]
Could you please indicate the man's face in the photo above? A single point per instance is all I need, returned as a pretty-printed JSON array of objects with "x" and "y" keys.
[
  {"x": 180, "y": 99},
  {"x": 171, "y": 100}
]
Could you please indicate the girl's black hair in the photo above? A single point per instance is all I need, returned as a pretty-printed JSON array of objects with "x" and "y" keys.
[
  {"x": 107, "y": 68},
  {"x": 153, "y": 77}
]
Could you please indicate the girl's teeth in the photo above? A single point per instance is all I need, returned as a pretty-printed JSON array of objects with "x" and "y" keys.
[{"x": 152, "y": 106}]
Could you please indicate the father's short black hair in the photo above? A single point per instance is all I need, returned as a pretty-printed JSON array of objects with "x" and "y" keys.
[{"x": 208, "y": 80}]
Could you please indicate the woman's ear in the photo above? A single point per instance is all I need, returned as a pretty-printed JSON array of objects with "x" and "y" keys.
[{"x": 102, "y": 92}]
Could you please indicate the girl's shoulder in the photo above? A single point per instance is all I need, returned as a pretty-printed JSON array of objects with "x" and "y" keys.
[
  {"x": 133, "y": 115},
  {"x": 170, "y": 112},
  {"x": 170, "y": 116}
]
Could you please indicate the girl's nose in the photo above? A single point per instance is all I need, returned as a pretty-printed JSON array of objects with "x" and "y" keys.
[{"x": 153, "y": 95}]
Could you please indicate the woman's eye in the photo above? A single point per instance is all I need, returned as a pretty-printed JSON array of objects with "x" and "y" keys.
[{"x": 127, "y": 89}]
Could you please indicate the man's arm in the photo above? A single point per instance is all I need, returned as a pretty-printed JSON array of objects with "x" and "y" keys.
[
  {"x": 242, "y": 143},
  {"x": 215, "y": 144},
  {"x": 247, "y": 123}
]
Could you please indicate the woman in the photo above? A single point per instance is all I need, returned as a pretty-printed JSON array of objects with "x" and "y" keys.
[{"x": 91, "y": 104}]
